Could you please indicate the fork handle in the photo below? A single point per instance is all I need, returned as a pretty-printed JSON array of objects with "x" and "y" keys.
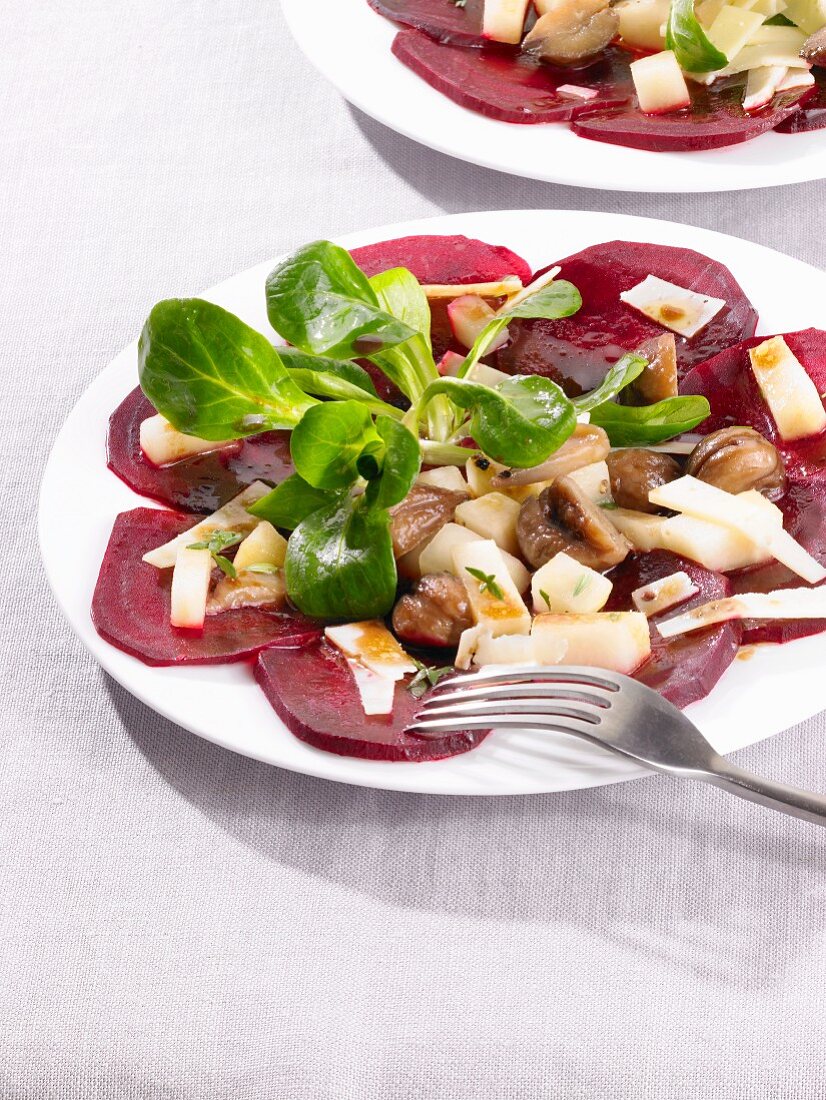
[{"x": 765, "y": 792}]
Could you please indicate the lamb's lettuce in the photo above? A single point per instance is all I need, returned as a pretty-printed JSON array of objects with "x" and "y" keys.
[
  {"x": 520, "y": 423},
  {"x": 620, "y": 375},
  {"x": 692, "y": 47},
  {"x": 321, "y": 302},
  {"x": 645, "y": 425},
  {"x": 213, "y": 376},
  {"x": 340, "y": 561}
]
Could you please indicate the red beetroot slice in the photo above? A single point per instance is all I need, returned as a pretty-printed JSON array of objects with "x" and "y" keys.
[
  {"x": 450, "y": 259},
  {"x": 509, "y": 86},
  {"x": 715, "y": 120},
  {"x": 130, "y": 607},
  {"x": 686, "y": 668},
  {"x": 440, "y": 19},
  {"x": 812, "y": 113},
  {"x": 313, "y": 692},
  {"x": 728, "y": 382},
  {"x": 577, "y": 351},
  {"x": 195, "y": 484}
]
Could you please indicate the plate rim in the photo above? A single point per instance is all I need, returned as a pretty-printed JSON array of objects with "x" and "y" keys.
[
  {"x": 720, "y": 171},
  {"x": 392, "y": 776}
]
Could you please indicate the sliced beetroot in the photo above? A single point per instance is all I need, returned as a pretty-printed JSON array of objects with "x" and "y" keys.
[
  {"x": 196, "y": 484},
  {"x": 728, "y": 382},
  {"x": 509, "y": 86},
  {"x": 452, "y": 259},
  {"x": 715, "y": 119},
  {"x": 313, "y": 692},
  {"x": 812, "y": 113},
  {"x": 686, "y": 668},
  {"x": 577, "y": 351},
  {"x": 440, "y": 19},
  {"x": 131, "y": 604}
]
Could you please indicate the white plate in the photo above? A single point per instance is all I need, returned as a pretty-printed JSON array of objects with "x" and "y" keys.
[
  {"x": 80, "y": 498},
  {"x": 349, "y": 44}
]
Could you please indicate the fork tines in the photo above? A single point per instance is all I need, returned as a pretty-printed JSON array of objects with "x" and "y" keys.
[{"x": 568, "y": 699}]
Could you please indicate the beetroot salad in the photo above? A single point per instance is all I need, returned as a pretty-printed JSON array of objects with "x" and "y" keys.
[
  {"x": 663, "y": 75},
  {"x": 600, "y": 465}
]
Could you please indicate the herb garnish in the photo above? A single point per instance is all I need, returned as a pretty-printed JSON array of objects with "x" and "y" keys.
[
  {"x": 487, "y": 582},
  {"x": 426, "y": 678},
  {"x": 545, "y": 597},
  {"x": 217, "y": 542},
  {"x": 581, "y": 585},
  {"x": 265, "y": 567}
]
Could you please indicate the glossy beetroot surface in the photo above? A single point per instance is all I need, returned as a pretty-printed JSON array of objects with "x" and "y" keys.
[
  {"x": 728, "y": 383},
  {"x": 449, "y": 259},
  {"x": 441, "y": 20},
  {"x": 313, "y": 692},
  {"x": 511, "y": 87},
  {"x": 686, "y": 668},
  {"x": 446, "y": 48},
  {"x": 576, "y": 351},
  {"x": 197, "y": 484},
  {"x": 131, "y": 604}
]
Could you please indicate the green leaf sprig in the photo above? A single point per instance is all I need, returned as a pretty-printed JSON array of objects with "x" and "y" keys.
[
  {"x": 487, "y": 582},
  {"x": 217, "y": 542},
  {"x": 692, "y": 47}
]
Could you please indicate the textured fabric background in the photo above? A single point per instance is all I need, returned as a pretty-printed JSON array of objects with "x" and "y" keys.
[{"x": 181, "y": 923}]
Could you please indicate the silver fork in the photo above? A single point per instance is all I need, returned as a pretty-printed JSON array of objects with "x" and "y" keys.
[{"x": 607, "y": 709}]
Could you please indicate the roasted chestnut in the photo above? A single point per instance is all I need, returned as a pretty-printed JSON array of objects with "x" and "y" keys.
[
  {"x": 572, "y": 30},
  {"x": 563, "y": 518},
  {"x": 737, "y": 459},
  {"x": 435, "y": 613},
  {"x": 423, "y": 512},
  {"x": 635, "y": 472}
]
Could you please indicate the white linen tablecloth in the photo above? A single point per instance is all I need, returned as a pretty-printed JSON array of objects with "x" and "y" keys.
[{"x": 178, "y": 922}]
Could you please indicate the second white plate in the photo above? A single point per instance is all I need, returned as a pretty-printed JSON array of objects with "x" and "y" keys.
[{"x": 350, "y": 44}]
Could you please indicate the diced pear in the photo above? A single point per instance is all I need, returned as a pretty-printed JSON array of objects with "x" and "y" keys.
[
  {"x": 507, "y": 649},
  {"x": 450, "y": 364},
  {"x": 617, "y": 640},
  {"x": 468, "y": 315},
  {"x": 595, "y": 482},
  {"x": 437, "y": 555},
  {"x": 576, "y": 91},
  {"x": 263, "y": 546},
  {"x": 248, "y": 590},
  {"x": 660, "y": 84},
  {"x": 372, "y": 645},
  {"x": 488, "y": 376},
  {"x": 504, "y": 20},
  {"x": 787, "y": 389},
  {"x": 500, "y": 613},
  {"x": 733, "y": 28},
  {"x": 493, "y": 516},
  {"x": 444, "y": 477},
  {"x": 683, "y": 311},
  {"x": 233, "y": 516},
  {"x": 190, "y": 588},
  {"x": 570, "y": 587},
  {"x": 480, "y": 472},
  {"x": 162, "y": 444},
  {"x": 667, "y": 592},
  {"x": 641, "y": 23}
]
